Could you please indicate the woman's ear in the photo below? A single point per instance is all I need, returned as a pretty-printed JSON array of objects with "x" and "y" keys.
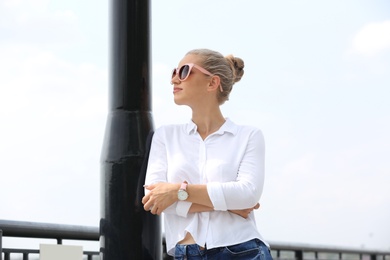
[{"x": 214, "y": 84}]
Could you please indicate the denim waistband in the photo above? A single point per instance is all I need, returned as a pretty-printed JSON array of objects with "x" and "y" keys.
[
  {"x": 189, "y": 250},
  {"x": 196, "y": 250}
]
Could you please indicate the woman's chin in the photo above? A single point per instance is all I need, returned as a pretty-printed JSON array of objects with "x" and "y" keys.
[{"x": 178, "y": 101}]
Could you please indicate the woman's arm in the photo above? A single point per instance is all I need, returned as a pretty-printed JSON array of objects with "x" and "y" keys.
[
  {"x": 157, "y": 171},
  {"x": 162, "y": 195},
  {"x": 195, "y": 208},
  {"x": 240, "y": 194},
  {"x": 245, "y": 212},
  {"x": 246, "y": 190}
]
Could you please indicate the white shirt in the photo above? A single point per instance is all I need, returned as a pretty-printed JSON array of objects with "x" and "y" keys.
[{"x": 230, "y": 161}]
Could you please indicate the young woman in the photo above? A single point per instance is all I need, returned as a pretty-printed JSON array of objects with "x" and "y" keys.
[{"x": 207, "y": 175}]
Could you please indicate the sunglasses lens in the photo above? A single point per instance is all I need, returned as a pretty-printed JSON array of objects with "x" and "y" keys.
[
  {"x": 183, "y": 72},
  {"x": 173, "y": 73}
]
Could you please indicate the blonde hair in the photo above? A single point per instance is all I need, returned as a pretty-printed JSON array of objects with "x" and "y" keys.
[{"x": 230, "y": 69}]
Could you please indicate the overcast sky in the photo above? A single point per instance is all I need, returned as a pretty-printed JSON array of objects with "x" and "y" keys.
[{"x": 316, "y": 82}]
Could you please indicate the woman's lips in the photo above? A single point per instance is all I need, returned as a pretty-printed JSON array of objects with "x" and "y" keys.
[{"x": 175, "y": 90}]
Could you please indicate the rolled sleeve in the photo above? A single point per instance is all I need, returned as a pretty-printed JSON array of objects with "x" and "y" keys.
[
  {"x": 216, "y": 195},
  {"x": 182, "y": 208},
  {"x": 245, "y": 191}
]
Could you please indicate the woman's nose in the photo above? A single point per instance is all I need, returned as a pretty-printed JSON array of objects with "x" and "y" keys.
[{"x": 175, "y": 80}]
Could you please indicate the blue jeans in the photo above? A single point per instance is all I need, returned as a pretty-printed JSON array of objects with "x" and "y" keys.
[{"x": 251, "y": 250}]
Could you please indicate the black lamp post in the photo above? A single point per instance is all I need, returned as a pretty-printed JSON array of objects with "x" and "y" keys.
[{"x": 127, "y": 232}]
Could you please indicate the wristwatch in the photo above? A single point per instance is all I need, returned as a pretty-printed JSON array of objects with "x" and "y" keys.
[{"x": 182, "y": 194}]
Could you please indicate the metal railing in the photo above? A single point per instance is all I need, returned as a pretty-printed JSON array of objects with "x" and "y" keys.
[
  {"x": 301, "y": 251},
  {"x": 60, "y": 232},
  {"x": 20, "y": 229}
]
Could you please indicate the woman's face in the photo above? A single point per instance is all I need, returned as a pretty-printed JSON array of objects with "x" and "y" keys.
[{"x": 192, "y": 90}]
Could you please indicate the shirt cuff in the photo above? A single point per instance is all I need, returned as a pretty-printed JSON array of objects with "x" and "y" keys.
[
  {"x": 182, "y": 208},
  {"x": 215, "y": 192}
]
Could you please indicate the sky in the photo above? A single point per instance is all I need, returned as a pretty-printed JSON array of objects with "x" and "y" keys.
[{"x": 316, "y": 83}]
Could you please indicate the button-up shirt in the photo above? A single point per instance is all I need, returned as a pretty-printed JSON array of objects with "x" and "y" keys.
[{"x": 229, "y": 161}]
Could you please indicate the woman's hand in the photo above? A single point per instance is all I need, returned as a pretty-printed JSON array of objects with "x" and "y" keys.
[
  {"x": 161, "y": 196},
  {"x": 245, "y": 212}
]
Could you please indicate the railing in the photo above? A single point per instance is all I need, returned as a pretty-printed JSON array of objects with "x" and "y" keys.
[
  {"x": 60, "y": 232},
  {"x": 307, "y": 251}
]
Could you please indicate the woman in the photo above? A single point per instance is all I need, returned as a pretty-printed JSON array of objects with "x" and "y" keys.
[{"x": 207, "y": 175}]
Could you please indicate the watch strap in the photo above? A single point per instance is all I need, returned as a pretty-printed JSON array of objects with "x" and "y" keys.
[{"x": 184, "y": 185}]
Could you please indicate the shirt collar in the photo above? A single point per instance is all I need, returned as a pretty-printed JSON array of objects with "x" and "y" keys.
[{"x": 228, "y": 126}]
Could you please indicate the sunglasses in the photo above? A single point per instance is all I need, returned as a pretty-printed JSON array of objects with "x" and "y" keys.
[{"x": 184, "y": 71}]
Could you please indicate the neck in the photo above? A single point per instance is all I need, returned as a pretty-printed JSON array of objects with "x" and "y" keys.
[{"x": 208, "y": 121}]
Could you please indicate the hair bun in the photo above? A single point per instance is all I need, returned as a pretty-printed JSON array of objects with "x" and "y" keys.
[{"x": 237, "y": 65}]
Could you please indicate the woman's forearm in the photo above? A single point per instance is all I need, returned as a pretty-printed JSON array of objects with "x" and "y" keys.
[
  {"x": 162, "y": 195},
  {"x": 197, "y": 193},
  {"x": 195, "y": 208}
]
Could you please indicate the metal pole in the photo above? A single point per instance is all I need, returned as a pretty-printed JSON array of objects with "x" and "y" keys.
[
  {"x": 126, "y": 230},
  {"x": 1, "y": 244},
  {"x": 299, "y": 254}
]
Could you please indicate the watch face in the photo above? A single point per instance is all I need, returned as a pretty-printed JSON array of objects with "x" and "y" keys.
[{"x": 182, "y": 195}]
